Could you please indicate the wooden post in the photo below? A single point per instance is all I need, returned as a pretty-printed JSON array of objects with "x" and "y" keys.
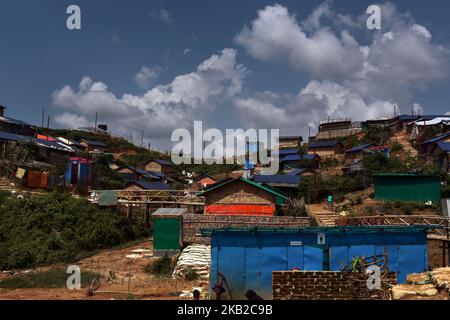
[
  {"x": 130, "y": 211},
  {"x": 147, "y": 216}
]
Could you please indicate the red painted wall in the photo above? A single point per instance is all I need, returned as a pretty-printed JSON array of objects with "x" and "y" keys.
[{"x": 241, "y": 209}]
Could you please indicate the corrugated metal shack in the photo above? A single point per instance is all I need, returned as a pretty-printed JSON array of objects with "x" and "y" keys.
[
  {"x": 407, "y": 187},
  {"x": 247, "y": 258},
  {"x": 167, "y": 235}
]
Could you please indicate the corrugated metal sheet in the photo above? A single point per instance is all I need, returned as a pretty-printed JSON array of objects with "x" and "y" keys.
[
  {"x": 166, "y": 234},
  {"x": 170, "y": 211},
  {"x": 414, "y": 188},
  {"x": 247, "y": 259}
]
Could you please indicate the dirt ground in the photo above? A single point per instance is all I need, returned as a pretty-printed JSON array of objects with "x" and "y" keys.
[{"x": 115, "y": 269}]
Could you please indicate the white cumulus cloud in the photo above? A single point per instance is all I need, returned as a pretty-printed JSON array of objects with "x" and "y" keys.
[
  {"x": 161, "y": 109},
  {"x": 147, "y": 76}
]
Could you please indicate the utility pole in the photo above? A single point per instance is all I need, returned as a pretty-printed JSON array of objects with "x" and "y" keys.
[
  {"x": 96, "y": 118},
  {"x": 43, "y": 116},
  {"x": 48, "y": 122},
  {"x": 142, "y": 139}
]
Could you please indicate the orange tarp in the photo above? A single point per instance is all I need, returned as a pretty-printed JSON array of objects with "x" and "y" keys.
[
  {"x": 37, "y": 179},
  {"x": 241, "y": 209}
]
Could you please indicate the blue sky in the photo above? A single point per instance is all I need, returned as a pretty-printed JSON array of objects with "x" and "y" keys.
[{"x": 258, "y": 81}]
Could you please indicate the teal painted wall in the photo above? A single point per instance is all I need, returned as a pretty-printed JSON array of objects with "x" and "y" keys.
[{"x": 407, "y": 188}]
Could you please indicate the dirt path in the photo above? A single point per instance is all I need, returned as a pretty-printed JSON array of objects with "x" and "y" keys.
[
  {"x": 115, "y": 269},
  {"x": 322, "y": 215},
  {"x": 402, "y": 138}
]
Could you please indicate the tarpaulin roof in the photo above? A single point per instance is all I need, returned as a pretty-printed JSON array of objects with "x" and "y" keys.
[
  {"x": 162, "y": 162},
  {"x": 358, "y": 148},
  {"x": 323, "y": 144},
  {"x": 284, "y": 152},
  {"x": 14, "y": 121},
  {"x": 437, "y": 138},
  {"x": 408, "y": 117},
  {"x": 298, "y": 157},
  {"x": 94, "y": 143},
  {"x": 151, "y": 185},
  {"x": 12, "y": 137},
  {"x": 432, "y": 122},
  {"x": 444, "y": 146},
  {"x": 53, "y": 145},
  {"x": 43, "y": 143},
  {"x": 296, "y": 172},
  {"x": 278, "y": 179}
]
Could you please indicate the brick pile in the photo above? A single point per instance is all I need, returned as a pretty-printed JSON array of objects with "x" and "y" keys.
[{"x": 326, "y": 285}]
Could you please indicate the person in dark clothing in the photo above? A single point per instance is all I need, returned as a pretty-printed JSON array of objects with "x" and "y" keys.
[
  {"x": 251, "y": 295},
  {"x": 196, "y": 294}
]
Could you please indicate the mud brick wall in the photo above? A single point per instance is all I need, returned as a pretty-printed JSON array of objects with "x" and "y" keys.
[
  {"x": 325, "y": 285},
  {"x": 438, "y": 253},
  {"x": 193, "y": 223}
]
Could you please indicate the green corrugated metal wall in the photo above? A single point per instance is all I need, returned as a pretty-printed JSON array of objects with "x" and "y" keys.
[
  {"x": 166, "y": 234},
  {"x": 407, "y": 188}
]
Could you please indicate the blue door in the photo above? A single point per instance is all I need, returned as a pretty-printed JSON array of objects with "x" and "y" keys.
[
  {"x": 313, "y": 258},
  {"x": 253, "y": 269},
  {"x": 231, "y": 263},
  {"x": 272, "y": 259},
  {"x": 411, "y": 259}
]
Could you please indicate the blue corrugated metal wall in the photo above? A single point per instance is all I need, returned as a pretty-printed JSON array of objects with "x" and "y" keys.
[{"x": 247, "y": 259}]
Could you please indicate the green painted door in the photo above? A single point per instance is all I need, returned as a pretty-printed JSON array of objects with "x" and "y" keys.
[{"x": 166, "y": 234}]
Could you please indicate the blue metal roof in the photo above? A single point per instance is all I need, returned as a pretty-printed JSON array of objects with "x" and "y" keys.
[
  {"x": 358, "y": 148},
  {"x": 436, "y": 139},
  {"x": 277, "y": 179},
  {"x": 323, "y": 144},
  {"x": 284, "y": 152},
  {"x": 298, "y": 157}
]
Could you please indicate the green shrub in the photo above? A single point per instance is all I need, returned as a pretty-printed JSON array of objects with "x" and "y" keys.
[
  {"x": 369, "y": 210},
  {"x": 191, "y": 274},
  {"x": 161, "y": 267},
  {"x": 57, "y": 228},
  {"x": 53, "y": 278}
]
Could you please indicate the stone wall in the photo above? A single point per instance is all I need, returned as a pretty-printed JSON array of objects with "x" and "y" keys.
[
  {"x": 325, "y": 285},
  {"x": 438, "y": 253},
  {"x": 193, "y": 223}
]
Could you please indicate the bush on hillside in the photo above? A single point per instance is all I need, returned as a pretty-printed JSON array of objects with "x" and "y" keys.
[
  {"x": 162, "y": 267},
  {"x": 57, "y": 228}
]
